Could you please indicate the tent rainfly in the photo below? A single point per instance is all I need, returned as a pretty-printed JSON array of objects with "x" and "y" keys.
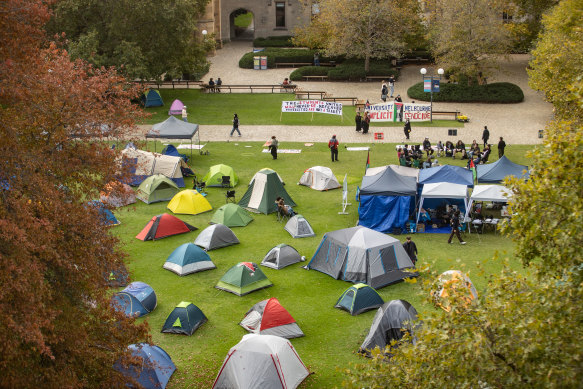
[
  {"x": 261, "y": 194},
  {"x": 156, "y": 188},
  {"x": 359, "y": 298},
  {"x": 137, "y": 299},
  {"x": 215, "y": 237},
  {"x": 176, "y": 107},
  {"x": 319, "y": 178},
  {"x": 268, "y": 317},
  {"x": 266, "y": 170},
  {"x": 154, "y": 369},
  {"x": 443, "y": 190},
  {"x": 231, "y": 215},
  {"x": 446, "y": 173},
  {"x": 173, "y": 128},
  {"x": 298, "y": 227},
  {"x": 243, "y": 278},
  {"x": 184, "y": 319},
  {"x": 187, "y": 259},
  {"x": 163, "y": 226},
  {"x": 401, "y": 170},
  {"x": 189, "y": 202},
  {"x": 494, "y": 173},
  {"x": 281, "y": 256},
  {"x": 495, "y": 193}
]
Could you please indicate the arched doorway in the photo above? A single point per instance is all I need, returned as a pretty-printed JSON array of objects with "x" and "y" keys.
[{"x": 242, "y": 25}]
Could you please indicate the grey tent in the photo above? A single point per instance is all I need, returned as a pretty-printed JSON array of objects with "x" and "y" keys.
[
  {"x": 495, "y": 173},
  {"x": 359, "y": 254},
  {"x": 388, "y": 183},
  {"x": 173, "y": 128},
  {"x": 389, "y": 324},
  {"x": 298, "y": 227},
  {"x": 281, "y": 256},
  {"x": 215, "y": 237}
]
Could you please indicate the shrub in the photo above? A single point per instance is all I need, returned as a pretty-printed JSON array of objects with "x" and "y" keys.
[
  {"x": 275, "y": 55},
  {"x": 499, "y": 92},
  {"x": 299, "y": 73},
  {"x": 273, "y": 41},
  {"x": 352, "y": 71}
]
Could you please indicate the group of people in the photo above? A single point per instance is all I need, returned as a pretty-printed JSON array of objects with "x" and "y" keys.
[
  {"x": 215, "y": 86},
  {"x": 362, "y": 123},
  {"x": 386, "y": 88},
  {"x": 413, "y": 156}
]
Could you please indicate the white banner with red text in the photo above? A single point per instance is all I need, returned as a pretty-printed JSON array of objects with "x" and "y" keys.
[
  {"x": 397, "y": 112},
  {"x": 317, "y": 106}
]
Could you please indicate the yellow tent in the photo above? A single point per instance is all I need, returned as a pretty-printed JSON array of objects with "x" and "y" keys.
[
  {"x": 453, "y": 287},
  {"x": 189, "y": 202}
]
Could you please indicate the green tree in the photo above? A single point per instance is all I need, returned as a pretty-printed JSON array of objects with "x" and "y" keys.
[
  {"x": 361, "y": 29},
  {"x": 144, "y": 39},
  {"x": 466, "y": 36},
  {"x": 526, "y": 20}
]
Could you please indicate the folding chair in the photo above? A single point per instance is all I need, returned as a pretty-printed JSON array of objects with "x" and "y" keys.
[
  {"x": 282, "y": 215},
  {"x": 226, "y": 182},
  {"x": 230, "y": 196}
]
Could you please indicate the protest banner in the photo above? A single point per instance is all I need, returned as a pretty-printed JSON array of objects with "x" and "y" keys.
[
  {"x": 312, "y": 106},
  {"x": 390, "y": 112}
]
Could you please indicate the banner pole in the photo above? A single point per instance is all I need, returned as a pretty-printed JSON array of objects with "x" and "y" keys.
[
  {"x": 312, "y": 119},
  {"x": 280, "y": 115}
]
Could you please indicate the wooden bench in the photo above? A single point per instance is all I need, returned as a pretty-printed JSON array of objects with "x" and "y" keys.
[
  {"x": 360, "y": 105},
  {"x": 446, "y": 113},
  {"x": 320, "y": 94},
  {"x": 252, "y": 88},
  {"x": 312, "y": 78},
  {"x": 292, "y": 64},
  {"x": 351, "y": 100}
]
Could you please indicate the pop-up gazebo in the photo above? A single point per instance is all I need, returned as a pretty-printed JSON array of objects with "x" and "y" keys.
[{"x": 173, "y": 128}]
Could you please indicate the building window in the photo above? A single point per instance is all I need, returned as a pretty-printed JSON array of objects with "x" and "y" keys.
[{"x": 279, "y": 14}]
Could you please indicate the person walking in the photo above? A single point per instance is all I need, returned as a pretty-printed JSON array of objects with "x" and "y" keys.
[
  {"x": 235, "y": 125},
  {"x": 184, "y": 113},
  {"x": 273, "y": 147},
  {"x": 485, "y": 135},
  {"x": 455, "y": 228},
  {"x": 358, "y": 121},
  {"x": 411, "y": 249},
  {"x": 501, "y": 147},
  {"x": 333, "y": 146},
  {"x": 407, "y": 128},
  {"x": 392, "y": 85}
]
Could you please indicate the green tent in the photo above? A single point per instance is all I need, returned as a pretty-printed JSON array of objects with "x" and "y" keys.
[
  {"x": 231, "y": 215},
  {"x": 263, "y": 191},
  {"x": 156, "y": 188},
  {"x": 243, "y": 278},
  {"x": 215, "y": 175},
  {"x": 185, "y": 318},
  {"x": 359, "y": 298}
]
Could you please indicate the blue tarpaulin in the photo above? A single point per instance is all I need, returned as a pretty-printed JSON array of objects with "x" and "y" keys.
[{"x": 383, "y": 213}]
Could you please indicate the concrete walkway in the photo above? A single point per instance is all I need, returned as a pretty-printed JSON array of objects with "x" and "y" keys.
[{"x": 517, "y": 123}]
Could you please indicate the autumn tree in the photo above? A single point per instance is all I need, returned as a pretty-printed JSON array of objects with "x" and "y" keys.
[
  {"x": 526, "y": 20},
  {"x": 361, "y": 29},
  {"x": 145, "y": 39},
  {"x": 466, "y": 36},
  {"x": 57, "y": 328}
]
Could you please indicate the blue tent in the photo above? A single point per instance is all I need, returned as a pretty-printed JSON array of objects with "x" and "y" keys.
[
  {"x": 495, "y": 172},
  {"x": 188, "y": 258},
  {"x": 152, "y": 98},
  {"x": 107, "y": 217},
  {"x": 386, "y": 200},
  {"x": 155, "y": 369},
  {"x": 173, "y": 151},
  {"x": 138, "y": 299},
  {"x": 446, "y": 173}
]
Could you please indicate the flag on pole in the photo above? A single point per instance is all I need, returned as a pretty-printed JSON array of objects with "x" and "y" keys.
[{"x": 367, "y": 162}]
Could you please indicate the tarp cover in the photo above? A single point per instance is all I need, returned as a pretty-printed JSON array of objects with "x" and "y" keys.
[
  {"x": 494, "y": 173},
  {"x": 173, "y": 128},
  {"x": 383, "y": 213},
  {"x": 446, "y": 173}
]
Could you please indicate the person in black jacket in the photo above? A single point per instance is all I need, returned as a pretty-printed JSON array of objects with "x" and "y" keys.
[
  {"x": 485, "y": 135},
  {"x": 455, "y": 228},
  {"x": 501, "y": 146},
  {"x": 358, "y": 121},
  {"x": 407, "y": 128},
  {"x": 411, "y": 249}
]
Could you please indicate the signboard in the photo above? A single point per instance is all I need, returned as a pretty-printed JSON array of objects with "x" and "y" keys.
[
  {"x": 389, "y": 112},
  {"x": 317, "y": 106},
  {"x": 379, "y": 135},
  {"x": 427, "y": 85}
]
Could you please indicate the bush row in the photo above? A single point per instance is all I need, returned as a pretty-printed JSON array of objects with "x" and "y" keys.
[
  {"x": 499, "y": 92},
  {"x": 348, "y": 71},
  {"x": 273, "y": 41},
  {"x": 275, "y": 55},
  {"x": 299, "y": 73}
]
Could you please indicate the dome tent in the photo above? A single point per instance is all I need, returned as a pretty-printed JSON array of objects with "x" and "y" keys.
[
  {"x": 261, "y": 194},
  {"x": 269, "y": 317},
  {"x": 155, "y": 369},
  {"x": 281, "y": 256},
  {"x": 185, "y": 319},
  {"x": 298, "y": 227},
  {"x": 117, "y": 194},
  {"x": 156, "y": 188},
  {"x": 215, "y": 237},
  {"x": 231, "y": 215},
  {"x": 453, "y": 287},
  {"x": 187, "y": 259},
  {"x": 137, "y": 299},
  {"x": 243, "y": 278},
  {"x": 176, "y": 107},
  {"x": 189, "y": 202},
  {"x": 319, "y": 178},
  {"x": 163, "y": 226},
  {"x": 359, "y": 298},
  {"x": 214, "y": 177},
  {"x": 152, "y": 98}
]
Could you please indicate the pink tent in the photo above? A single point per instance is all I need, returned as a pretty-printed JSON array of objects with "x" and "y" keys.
[{"x": 176, "y": 107}]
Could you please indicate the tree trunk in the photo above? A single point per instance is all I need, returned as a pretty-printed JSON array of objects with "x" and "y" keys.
[{"x": 367, "y": 63}]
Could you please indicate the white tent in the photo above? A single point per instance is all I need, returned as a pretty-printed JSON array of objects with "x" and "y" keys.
[
  {"x": 148, "y": 163},
  {"x": 319, "y": 178},
  {"x": 261, "y": 361},
  {"x": 497, "y": 193},
  {"x": 443, "y": 190}
]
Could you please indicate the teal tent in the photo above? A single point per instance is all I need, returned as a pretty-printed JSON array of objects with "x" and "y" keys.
[
  {"x": 185, "y": 318},
  {"x": 152, "y": 98},
  {"x": 359, "y": 298},
  {"x": 187, "y": 259}
]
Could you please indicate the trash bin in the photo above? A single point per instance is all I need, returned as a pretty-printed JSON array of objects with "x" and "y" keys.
[
  {"x": 256, "y": 63},
  {"x": 263, "y": 63}
]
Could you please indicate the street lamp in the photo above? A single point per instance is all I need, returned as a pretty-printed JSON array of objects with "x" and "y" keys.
[
  {"x": 204, "y": 32},
  {"x": 431, "y": 84}
]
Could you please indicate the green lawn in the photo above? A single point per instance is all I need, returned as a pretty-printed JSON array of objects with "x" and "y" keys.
[
  {"x": 256, "y": 109},
  {"x": 332, "y": 336}
]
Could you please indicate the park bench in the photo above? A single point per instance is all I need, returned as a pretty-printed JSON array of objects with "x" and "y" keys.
[
  {"x": 300, "y": 94},
  {"x": 251, "y": 88},
  {"x": 180, "y": 84},
  {"x": 446, "y": 113},
  {"x": 312, "y": 78},
  {"x": 291, "y": 64},
  {"x": 351, "y": 100}
]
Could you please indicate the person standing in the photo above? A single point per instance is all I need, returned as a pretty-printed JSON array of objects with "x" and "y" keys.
[
  {"x": 365, "y": 123},
  {"x": 235, "y": 125},
  {"x": 455, "y": 228},
  {"x": 358, "y": 121},
  {"x": 501, "y": 147},
  {"x": 485, "y": 135},
  {"x": 392, "y": 85},
  {"x": 273, "y": 147},
  {"x": 411, "y": 249},
  {"x": 407, "y": 128},
  {"x": 384, "y": 91},
  {"x": 333, "y": 146},
  {"x": 399, "y": 104},
  {"x": 184, "y": 113},
  {"x": 316, "y": 59}
]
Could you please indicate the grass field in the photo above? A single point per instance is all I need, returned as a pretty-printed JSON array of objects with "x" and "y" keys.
[
  {"x": 332, "y": 336},
  {"x": 257, "y": 109}
]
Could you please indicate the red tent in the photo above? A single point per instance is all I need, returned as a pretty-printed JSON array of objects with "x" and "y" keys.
[
  {"x": 162, "y": 226},
  {"x": 269, "y": 317}
]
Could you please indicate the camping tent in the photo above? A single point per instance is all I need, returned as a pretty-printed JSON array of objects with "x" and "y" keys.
[
  {"x": 266, "y": 170},
  {"x": 214, "y": 176},
  {"x": 388, "y": 324},
  {"x": 142, "y": 164},
  {"x": 494, "y": 173},
  {"x": 243, "y": 278},
  {"x": 215, "y": 237},
  {"x": 268, "y": 317},
  {"x": 359, "y": 298},
  {"x": 261, "y": 194},
  {"x": 231, "y": 215},
  {"x": 173, "y": 151},
  {"x": 386, "y": 200},
  {"x": 185, "y": 318},
  {"x": 173, "y": 128},
  {"x": 137, "y": 299},
  {"x": 319, "y": 178},
  {"x": 189, "y": 202},
  {"x": 261, "y": 361},
  {"x": 359, "y": 254},
  {"x": 453, "y": 287},
  {"x": 298, "y": 227},
  {"x": 156, "y": 188},
  {"x": 163, "y": 226},
  {"x": 176, "y": 107},
  {"x": 446, "y": 173},
  {"x": 187, "y": 259},
  {"x": 107, "y": 218},
  {"x": 152, "y": 98},
  {"x": 281, "y": 256},
  {"x": 497, "y": 193},
  {"x": 117, "y": 194},
  {"x": 155, "y": 367},
  {"x": 444, "y": 191},
  {"x": 401, "y": 170}
]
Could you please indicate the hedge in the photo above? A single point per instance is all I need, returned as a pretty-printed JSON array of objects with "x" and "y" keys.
[
  {"x": 299, "y": 73},
  {"x": 349, "y": 71},
  {"x": 273, "y": 41},
  {"x": 275, "y": 55},
  {"x": 498, "y": 92}
]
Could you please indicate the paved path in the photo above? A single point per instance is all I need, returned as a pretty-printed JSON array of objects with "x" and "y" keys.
[{"x": 517, "y": 123}]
